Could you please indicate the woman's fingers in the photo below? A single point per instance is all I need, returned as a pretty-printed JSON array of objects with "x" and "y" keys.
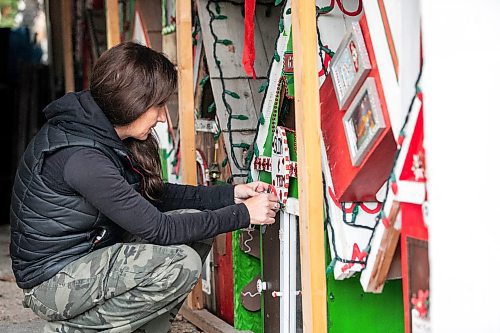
[
  {"x": 275, "y": 206},
  {"x": 272, "y": 197},
  {"x": 262, "y": 208},
  {"x": 261, "y": 187}
]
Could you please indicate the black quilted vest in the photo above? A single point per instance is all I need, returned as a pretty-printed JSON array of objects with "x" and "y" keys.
[{"x": 49, "y": 230}]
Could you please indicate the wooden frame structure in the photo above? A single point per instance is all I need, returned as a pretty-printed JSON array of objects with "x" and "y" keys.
[
  {"x": 67, "y": 44},
  {"x": 112, "y": 23},
  {"x": 312, "y": 249},
  {"x": 186, "y": 114}
]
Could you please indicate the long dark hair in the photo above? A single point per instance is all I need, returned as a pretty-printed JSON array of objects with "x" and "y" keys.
[{"x": 127, "y": 80}]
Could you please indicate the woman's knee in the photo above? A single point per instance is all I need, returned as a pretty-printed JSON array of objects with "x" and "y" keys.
[
  {"x": 191, "y": 260},
  {"x": 182, "y": 274}
]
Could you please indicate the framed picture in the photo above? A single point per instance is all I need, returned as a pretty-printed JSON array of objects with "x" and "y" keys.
[
  {"x": 363, "y": 121},
  {"x": 350, "y": 66}
]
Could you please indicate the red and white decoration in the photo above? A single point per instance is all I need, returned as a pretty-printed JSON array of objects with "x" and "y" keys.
[{"x": 278, "y": 164}]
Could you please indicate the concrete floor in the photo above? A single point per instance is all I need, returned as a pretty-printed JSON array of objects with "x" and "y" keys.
[{"x": 16, "y": 319}]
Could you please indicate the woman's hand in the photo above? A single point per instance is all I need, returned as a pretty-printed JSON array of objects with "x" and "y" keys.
[
  {"x": 262, "y": 208},
  {"x": 245, "y": 191}
]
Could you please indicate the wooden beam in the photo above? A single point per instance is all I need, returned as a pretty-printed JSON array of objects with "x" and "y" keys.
[
  {"x": 186, "y": 92},
  {"x": 384, "y": 253},
  {"x": 186, "y": 113},
  {"x": 207, "y": 322},
  {"x": 307, "y": 122},
  {"x": 112, "y": 23},
  {"x": 67, "y": 41}
]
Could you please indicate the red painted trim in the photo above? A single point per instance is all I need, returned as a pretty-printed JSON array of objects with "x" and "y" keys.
[
  {"x": 390, "y": 40},
  {"x": 351, "y": 209},
  {"x": 371, "y": 211}
]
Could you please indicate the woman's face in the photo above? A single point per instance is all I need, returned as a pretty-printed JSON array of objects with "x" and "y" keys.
[{"x": 141, "y": 127}]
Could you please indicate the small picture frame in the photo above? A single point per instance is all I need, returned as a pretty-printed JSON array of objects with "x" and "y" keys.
[
  {"x": 363, "y": 121},
  {"x": 350, "y": 66}
]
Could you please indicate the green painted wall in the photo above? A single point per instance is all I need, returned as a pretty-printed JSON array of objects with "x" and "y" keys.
[
  {"x": 350, "y": 310},
  {"x": 246, "y": 268}
]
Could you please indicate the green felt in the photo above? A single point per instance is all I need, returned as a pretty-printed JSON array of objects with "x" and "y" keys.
[
  {"x": 246, "y": 268},
  {"x": 350, "y": 310},
  {"x": 163, "y": 162}
]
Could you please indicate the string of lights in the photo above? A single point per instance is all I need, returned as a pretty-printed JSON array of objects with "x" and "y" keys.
[
  {"x": 329, "y": 8},
  {"x": 322, "y": 48},
  {"x": 402, "y": 136},
  {"x": 242, "y": 168},
  {"x": 264, "y": 89},
  {"x": 328, "y": 225},
  {"x": 249, "y": 150}
]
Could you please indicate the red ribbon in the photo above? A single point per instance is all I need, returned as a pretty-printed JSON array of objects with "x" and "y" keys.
[{"x": 249, "y": 48}]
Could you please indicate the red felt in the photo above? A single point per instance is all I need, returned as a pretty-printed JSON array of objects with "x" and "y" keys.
[
  {"x": 356, "y": 183},
  {"x": 249, "y": 47}
]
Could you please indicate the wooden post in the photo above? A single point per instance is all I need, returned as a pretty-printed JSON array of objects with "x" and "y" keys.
[
  {"x": 67, "y": 41},
  {"x": 186, "y": 92},
  {"x": 307, "y": 122},
  {"x": 186, "y": 113},
  {"x": 112, "y": 23}
]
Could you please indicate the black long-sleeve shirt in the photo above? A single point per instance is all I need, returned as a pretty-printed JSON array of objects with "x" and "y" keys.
[{"x": 88, "y": 172}]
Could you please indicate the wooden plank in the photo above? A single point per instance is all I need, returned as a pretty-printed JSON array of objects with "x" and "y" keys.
[
  {"x": 384, "y": 253},
  {"x": 112, "y": 23},
  {"x": 151, "y": 13},
  {"x": 267, "y": 27},
  {"x": 169, "y": 46},
  {"x": 232, "y": 29},
  {"x": 200, "y": 72},
  {"x": 243, "y": 106},
  {"x": 186, "y": 114},
  {"x": 307, "y": 112},
  {"x": 207, "y": 321},
  {"x": 156, "y": 40},
  {"x": 185, "y": 92},
  {"x": 67, "y": 41},
  {"x": 257, "y": 96}
]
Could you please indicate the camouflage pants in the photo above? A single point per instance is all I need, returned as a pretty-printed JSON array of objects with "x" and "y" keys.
[{"x": 127, "y": 287}]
